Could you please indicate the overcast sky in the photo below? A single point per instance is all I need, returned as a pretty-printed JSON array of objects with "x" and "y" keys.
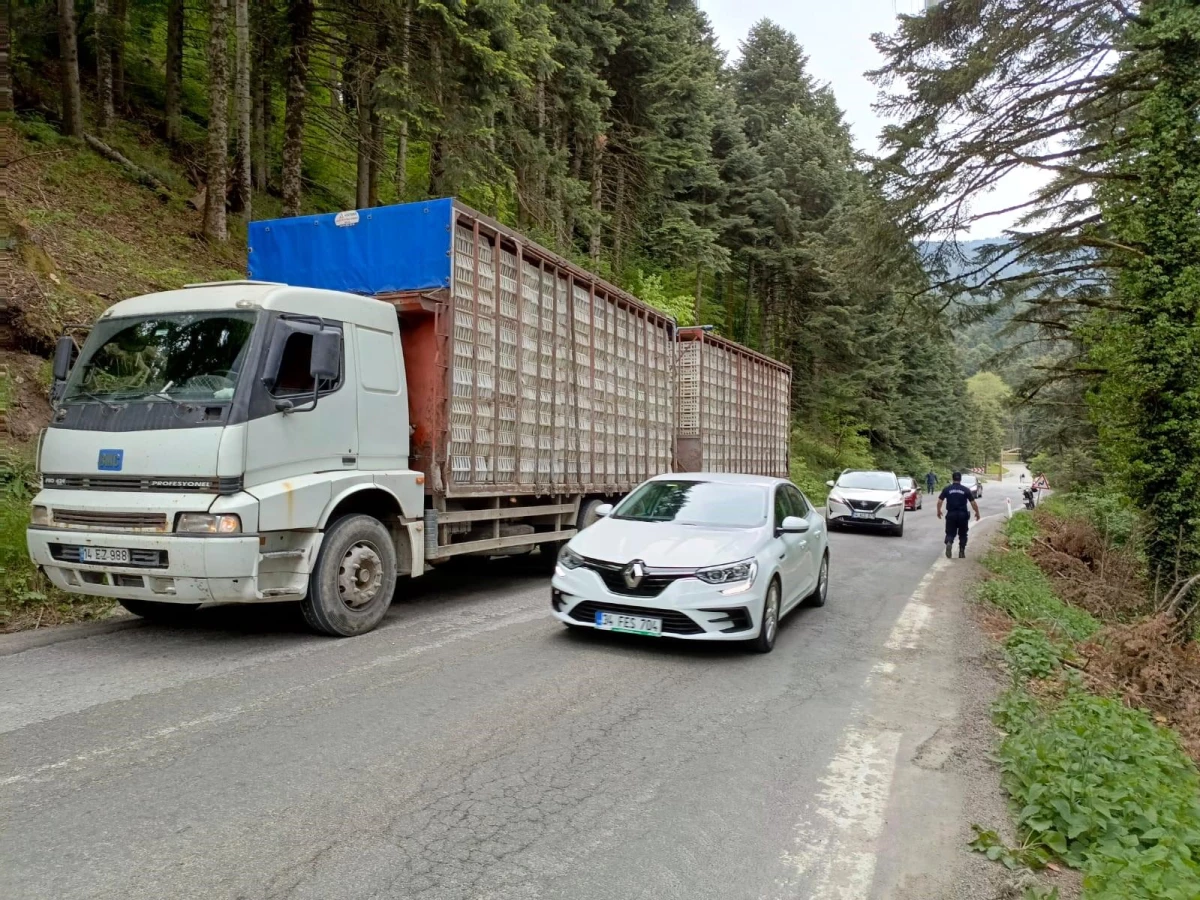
[{"x": 836, "y": 35}]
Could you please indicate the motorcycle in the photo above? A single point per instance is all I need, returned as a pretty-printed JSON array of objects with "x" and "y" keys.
[{"x": 1030, "y": 497}]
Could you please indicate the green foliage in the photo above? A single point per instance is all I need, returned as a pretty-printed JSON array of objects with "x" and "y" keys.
[
  {"x": 1068, "y": 469},
  {"x": 1020, "y": 530},
  {"x": 1109, "y": 511},
  {"x": 1022, "y": 590},
  {"x": 991, "y": 845},
  {"x": 1030, "y": 653},
  {"x": 1102, "y": 787}
]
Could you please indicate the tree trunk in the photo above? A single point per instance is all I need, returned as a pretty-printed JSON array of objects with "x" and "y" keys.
[
  {"x": 594, "y": 242},
  {"x": 103, "y": 25},
  {"x": 401, "y": 176},
  {"x": 437, "y": 170},
  {"x": 6, "y": 93},
  {"x": 362, "y": 115},
  {"x": 174, "y": 70},
  {"x": 217, "y": 156},
  {"x": 259, "y": 98},
  {"x": 617, "y": 217},
  {"x": 300, "y": 19},
  {"x": 697, "y": 320},
  {"x": 376, "y": 157},
  {"x": 116, "y": 46},
  {"x": 241, "y": 94},
  {"x": 72, "y": 102}
]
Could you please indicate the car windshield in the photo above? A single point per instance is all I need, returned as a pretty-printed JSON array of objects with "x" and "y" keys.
[
  {"x": 906, "y": 483},
  {"x": 868, "y": 481},
  {"x": 186, "y": 356},
  {"x": 696, "y": 503},
  {"x": 968, "y": 479}
]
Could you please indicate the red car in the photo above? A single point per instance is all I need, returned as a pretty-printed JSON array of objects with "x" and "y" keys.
[{"x": 912, "y": 493}]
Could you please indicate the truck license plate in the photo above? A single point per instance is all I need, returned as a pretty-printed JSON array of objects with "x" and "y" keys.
[
  {"x": 607, "y": 621},
  {"x": 112, "y": 555},
  {"x": 862, "y": 514}
]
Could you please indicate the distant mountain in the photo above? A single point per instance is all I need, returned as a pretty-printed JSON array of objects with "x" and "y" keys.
[{"x": 954, "y": 259}]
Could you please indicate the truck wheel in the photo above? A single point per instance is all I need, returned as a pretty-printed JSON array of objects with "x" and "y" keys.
[
  {"x": 157, "y": 611},
  {"x": 351, "y": 586},
  {"x": 587, "y": 513}
]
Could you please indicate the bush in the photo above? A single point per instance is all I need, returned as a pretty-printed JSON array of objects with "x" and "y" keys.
[
  {"x": 1108, "y": 791},
  {"x": 1020, "y": 530},
  {"x": 1030, "y": 653},
  {"x": 1023, "y": 591}
]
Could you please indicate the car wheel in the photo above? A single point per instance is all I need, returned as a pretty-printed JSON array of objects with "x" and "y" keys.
[
  {"x": 352, "y": 584},
  {"x": 157, "y": 611},
  {"x": 821, "y": 591},
  {"x": 765, "y": 642}
]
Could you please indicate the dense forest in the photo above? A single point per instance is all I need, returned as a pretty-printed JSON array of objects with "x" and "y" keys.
[{"x": 614, "y": 131}]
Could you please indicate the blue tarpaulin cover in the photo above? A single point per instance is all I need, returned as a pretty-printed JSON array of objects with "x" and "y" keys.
[{"x": 368, "y": 251}]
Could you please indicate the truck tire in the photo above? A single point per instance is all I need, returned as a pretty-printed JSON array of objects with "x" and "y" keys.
[
  {"x": 157, "y": 611},
  {"x": 587, "y": 513},
  {"x": 351, "y": 586}
]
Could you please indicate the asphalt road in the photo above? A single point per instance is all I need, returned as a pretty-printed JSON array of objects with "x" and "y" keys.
[{"x": 474, "y": 748}]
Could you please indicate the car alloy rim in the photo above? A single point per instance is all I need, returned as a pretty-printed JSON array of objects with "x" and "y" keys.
[
  {"x": 824, "y": 578},
  {"x": 772, "y": 613},
  {"x": 360, "y": 575}
]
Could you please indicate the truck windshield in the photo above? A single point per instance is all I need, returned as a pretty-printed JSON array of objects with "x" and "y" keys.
[
  {"x": 185, "y": 356},
  {"x": 696, "y": 503}
]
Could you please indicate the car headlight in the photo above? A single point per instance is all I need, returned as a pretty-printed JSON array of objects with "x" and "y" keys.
[
  {"x": 40, "y": 515},
  {"x": 567, "y": 559},
  {"x": 731, "y": 573},
  {"x": 899, "y": 501},
  {"x": 837, "y": 498},
  {"x": 207, "y": 523}
]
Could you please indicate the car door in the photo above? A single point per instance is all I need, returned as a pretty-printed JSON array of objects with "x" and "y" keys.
[
  {"x": 808, "y": 547},
  {"x": 790, "y": 548}
]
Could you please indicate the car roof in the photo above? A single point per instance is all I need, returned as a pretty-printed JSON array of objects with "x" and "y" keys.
[
  {"x": 868, "y": 472},
  {"x": 722, "y": 478}
]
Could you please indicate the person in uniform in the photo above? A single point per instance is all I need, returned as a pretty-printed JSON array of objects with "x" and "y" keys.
[
  {"x": 930, "y": 481},
  {"x": 956, "y": 498}
]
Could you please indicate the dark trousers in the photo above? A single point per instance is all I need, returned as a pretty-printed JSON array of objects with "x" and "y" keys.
[
  {"x": 956, "y": 526},
  {"x": 929, "y": 487}
]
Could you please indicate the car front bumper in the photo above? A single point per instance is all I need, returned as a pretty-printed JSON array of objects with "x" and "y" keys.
[
  {"x": 691, "y": 610},
  {"x": 840, "y": 514}
]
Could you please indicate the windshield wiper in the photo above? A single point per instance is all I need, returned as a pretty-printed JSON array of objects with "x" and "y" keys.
[
  {"x": 162, "y": 394},
  {"x": 112, "y": 407}
]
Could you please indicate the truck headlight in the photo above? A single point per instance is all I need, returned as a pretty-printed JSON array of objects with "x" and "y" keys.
[
  {"x": 206, "y": 523},
  {"x": 40, "y": 515},
  {"x": 732, "y": 573}
]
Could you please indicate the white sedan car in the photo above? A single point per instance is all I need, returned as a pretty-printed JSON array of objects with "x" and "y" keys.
[{"x": 702, "y": 557}]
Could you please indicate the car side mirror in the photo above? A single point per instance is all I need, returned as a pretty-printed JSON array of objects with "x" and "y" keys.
[
  {"x": 829, "y": 484},
  {"x": 604, "y": 509},
  {"x": 792, "y": 525}
]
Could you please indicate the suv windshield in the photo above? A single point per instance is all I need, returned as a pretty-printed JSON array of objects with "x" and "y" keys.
[
  {"x": 186, "y": 356},
  {"x": 696, "y": 503},
  {"x": 869, "y": 481}
]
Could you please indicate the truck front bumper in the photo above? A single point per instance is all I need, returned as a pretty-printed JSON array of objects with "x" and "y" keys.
[{"x": 170, "y": 569}]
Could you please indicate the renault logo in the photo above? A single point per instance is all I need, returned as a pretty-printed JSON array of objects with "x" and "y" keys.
[{"x": 633, "y": 574}]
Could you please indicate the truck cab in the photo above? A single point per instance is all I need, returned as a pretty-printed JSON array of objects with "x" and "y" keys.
[{"x": 233, "y": 442}]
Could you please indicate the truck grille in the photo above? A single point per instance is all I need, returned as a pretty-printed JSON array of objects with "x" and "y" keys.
[
  {"x": 674, "y": 622},
  {"x": 150, "y": 483},
  {"x": 138, "y": 559},
  {"x": 652, "y": 584},
  {"x": 94, "y": 518}
]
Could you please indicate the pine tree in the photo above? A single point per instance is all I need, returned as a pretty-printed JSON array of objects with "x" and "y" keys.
[
  {"x": 72, "y": 100},
  {"x": 217, "y": 155},
  {"x": 300, "y": 22},
  {"x": 241, "y": 92},
  {"x": 174, "y": 74}
]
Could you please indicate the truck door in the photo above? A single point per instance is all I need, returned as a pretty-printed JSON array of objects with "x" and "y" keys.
[{"x": 295, "y": 446}]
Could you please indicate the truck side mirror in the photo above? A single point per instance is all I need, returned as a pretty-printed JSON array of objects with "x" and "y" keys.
[
  {"x": 64, "y": 355},
  {"x": 325, "y": 364}
]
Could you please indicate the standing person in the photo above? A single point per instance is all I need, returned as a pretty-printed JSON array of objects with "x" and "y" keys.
[
  {"x": 930, "y": 481},
  {"x": 956, "y": 497}
]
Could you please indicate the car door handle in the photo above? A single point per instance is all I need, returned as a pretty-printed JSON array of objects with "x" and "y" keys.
[{"x": 783, "y": 556}]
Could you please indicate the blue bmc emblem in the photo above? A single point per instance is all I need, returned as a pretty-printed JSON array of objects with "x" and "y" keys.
[{"x": 111, "y": 460}]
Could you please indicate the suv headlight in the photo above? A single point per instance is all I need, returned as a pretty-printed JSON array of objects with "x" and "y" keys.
[
  {"x": 207, "y": 523},
  {"x": 40, "y": 515},
  {"x": 567, "y": 559},
  {"x": 732, "y": 573},
  {"x": 837, "y": 498}
]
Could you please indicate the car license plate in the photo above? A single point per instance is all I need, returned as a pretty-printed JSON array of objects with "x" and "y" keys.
[
  {"x": 113, "y": 555},
  {"x": 608, "y": 621},
  {"x": 862, "y": 514}
]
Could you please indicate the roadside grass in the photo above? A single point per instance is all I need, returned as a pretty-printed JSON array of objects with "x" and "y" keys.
[{"x": 1094, "y": 782}]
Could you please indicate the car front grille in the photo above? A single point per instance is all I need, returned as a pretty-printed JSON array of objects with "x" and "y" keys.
[
  {"x": 653, "y": 583},
  {"x": 138, "y": 559},
  {"x": 868, "y": 505},
  {"x": 674, "y": 622},
  {"x": 95, "y": 518}
]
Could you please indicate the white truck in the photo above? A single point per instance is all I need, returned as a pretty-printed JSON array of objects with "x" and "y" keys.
[{"x": 398, "y": 386}]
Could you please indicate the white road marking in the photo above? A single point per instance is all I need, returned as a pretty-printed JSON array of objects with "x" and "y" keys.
[
  {"x": 906, "y": 633},
  {"x": 834, "y": 853}
]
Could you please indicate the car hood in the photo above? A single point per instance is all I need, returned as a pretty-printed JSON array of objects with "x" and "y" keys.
[
  {"x": 864, "y": 494},
  {"x": 666, "y": 545}
]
